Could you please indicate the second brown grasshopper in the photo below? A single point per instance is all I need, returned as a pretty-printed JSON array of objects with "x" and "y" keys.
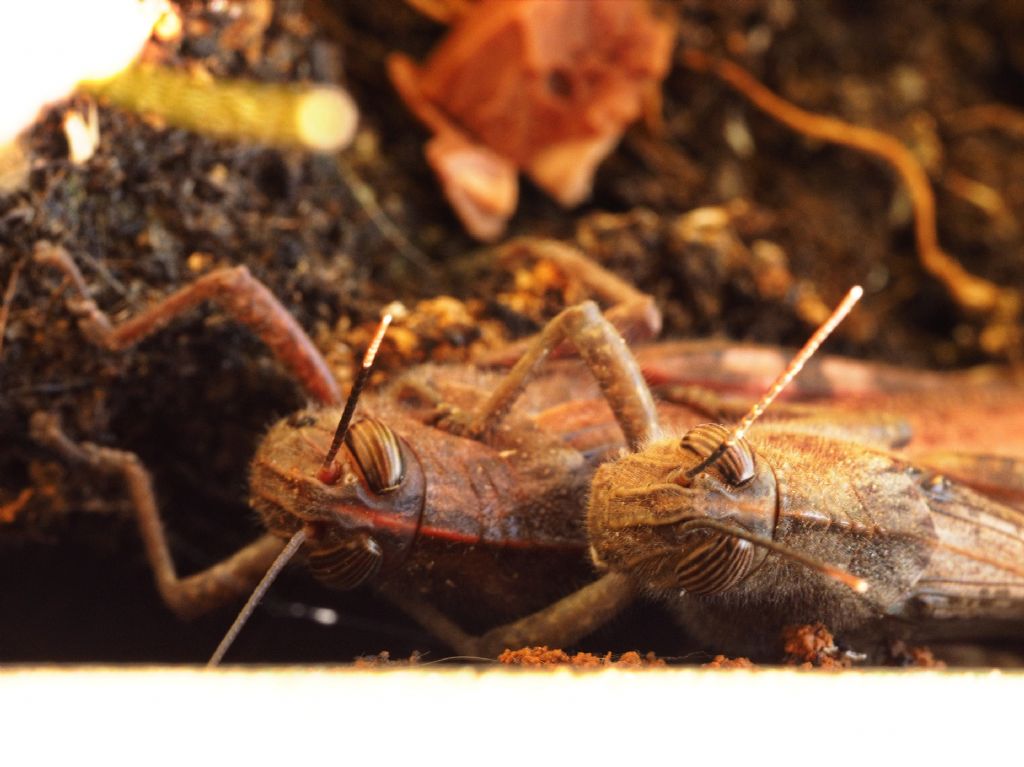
[{"x": 912, "y": 481}]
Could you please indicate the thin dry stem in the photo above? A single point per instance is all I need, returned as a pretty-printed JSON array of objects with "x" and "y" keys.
[
  {"x": 971, "y": 292},
  {"x": 5, "y": 310},
  {"x": 9, "y": 511},
  {"x": 999, "y": 117},
  {"x": 318, "y": 117}
]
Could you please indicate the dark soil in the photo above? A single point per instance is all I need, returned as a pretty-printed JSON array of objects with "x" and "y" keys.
[{"x": 155, "y": 207}]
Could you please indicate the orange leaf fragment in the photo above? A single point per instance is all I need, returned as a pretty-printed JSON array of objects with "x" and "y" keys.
[{"x": 543, "y": 86}]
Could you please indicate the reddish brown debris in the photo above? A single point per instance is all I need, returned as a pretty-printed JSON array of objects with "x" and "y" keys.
[
  {"x": 722, "y": 662},
  {"x": 8, "y": 297},
  {"x": 9, "y": 511},
  {"x": 441, "y": 329},
  {"x": 543, "y": 86},
  {"x": 913, "y": 656},
  {"x": 812, "y": 646},
  {"x": 384, "y": 660},
  {"x": 542, "y": 656}
]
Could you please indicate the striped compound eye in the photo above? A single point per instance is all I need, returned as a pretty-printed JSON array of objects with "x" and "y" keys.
[
  {"x": 347, "y": 565},
  {"x": 376, "y": 450},
  {"x": 736, "y": 466},
  {"x": 713, "y": 562}
]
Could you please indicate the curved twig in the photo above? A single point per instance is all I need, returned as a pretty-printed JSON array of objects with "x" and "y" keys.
[{"x": 970, "y": 291}]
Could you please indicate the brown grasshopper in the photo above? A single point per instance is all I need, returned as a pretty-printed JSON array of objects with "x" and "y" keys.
[
  {"x": 936, "y": 534},
  {"x": 448, "y": 499}
]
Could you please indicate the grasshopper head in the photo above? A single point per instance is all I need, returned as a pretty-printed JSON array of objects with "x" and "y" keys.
[
  {"x": 361, "y": 519},
  {"x": 645, "y": 517}
]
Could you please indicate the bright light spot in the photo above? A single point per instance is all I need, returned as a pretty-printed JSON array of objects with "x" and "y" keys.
[
  {"x": 326, "y": 119},
  {"x": 82, "y": 134},
  {"x": 47, "y": 47},
  {"x": 325, "y": 616}
]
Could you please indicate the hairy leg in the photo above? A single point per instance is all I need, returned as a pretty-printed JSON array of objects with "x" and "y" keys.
[
  {"x": 194, "y": 595},
  {"x": 238, "y": 294}
]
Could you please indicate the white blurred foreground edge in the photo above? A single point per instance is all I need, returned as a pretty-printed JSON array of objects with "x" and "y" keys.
[{"x": 504, "y": 716}]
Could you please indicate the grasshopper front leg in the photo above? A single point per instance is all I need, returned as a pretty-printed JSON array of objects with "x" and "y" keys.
[
  {"x": 223, "y": 582},
  {"x": 633, "y": 313},
  {"x": 605, "y": 354},
  {"x": 612, "y": 364}
]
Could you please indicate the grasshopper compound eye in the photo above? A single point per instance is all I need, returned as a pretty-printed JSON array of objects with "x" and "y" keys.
[
  {"x": 388, "y": 481},
  {"x": 736, "y": 463},
  {"x": 713, "y": 562},
  {"x": 377, "y": 453},
  {"x": 350, "y": 563}
]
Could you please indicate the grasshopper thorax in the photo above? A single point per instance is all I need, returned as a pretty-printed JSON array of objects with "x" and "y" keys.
[
  {"x": 645, "y": 518},
  {"x": 363, "y": 521}
]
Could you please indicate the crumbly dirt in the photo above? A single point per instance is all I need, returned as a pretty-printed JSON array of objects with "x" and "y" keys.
[
  {"x": 542, "y": 657},
  {"x": 914, "y": 656},
  {"x": 813, "y": 646},
  {"x": 384, "y": 660},
  {"x": 793, "y": 223},
  {"x": 724, "y": 663}
]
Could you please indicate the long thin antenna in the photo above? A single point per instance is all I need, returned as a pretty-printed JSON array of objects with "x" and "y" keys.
[
  {"x": 327, "y": 474},
  {"x": 294, "y": 543},
  {"x": 858, "y": 585},
  {"x": 787, "y": 375}
]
